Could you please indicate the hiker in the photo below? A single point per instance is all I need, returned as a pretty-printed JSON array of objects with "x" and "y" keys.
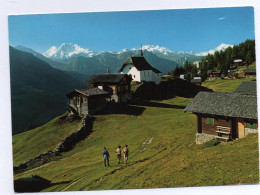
[
  {"x": 106, "y": 157},
  {"x": 118, "y": 154},
  {"x": 125, "y": 151}
]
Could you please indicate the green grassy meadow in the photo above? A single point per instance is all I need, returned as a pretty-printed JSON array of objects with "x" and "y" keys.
[
  {"x": 162, "y": 149},
  {"x": 224, "y": 85}
]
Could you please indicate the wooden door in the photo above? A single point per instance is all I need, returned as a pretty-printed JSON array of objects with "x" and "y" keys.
[{"x": 241, "y": 129}]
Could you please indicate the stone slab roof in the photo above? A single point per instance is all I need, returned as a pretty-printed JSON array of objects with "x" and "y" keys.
[
  {"x": 250, "y": 70},
  {"x": 107, "y": 78},
  {"x": 140, "y": 63},
  {"x": 246, "y": 87},
  {"x": 224, "y": 104},
  {"x": 88, "y": 92},
  {"x": 195, "y": 80}
]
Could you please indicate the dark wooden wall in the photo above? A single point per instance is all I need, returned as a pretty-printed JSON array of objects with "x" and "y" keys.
[{"x": 218, "y": 121}]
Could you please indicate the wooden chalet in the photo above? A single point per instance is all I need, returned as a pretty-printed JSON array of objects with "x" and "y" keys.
[
  {"x": 117, "y": 85},
  {"x": 86, "y": 101},
  {"x": 224, "y": 115},
  {"x": 232, "y": 74},
  {"x": 196, "y": 81},
  {"x": 250, "y": 72},
  {"x": 214, "y": 74},
  {"x": 238, "y": 61}
]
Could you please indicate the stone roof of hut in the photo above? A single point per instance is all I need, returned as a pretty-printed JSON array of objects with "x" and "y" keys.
[
  {"x": 214, "y": 71},
  {"x": 107, "y": 78},
  {"x": 250, "y": 70},
  {"x": 140, "y": 63},
  {"x": 195, "y": 80},
  {"x": 88, "y": 92},
  {"x": 224, "y": 104},
  {"x": 246, "y": 87}
]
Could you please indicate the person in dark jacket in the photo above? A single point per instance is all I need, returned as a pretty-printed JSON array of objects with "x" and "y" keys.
[{"x": 106, "y": 157}]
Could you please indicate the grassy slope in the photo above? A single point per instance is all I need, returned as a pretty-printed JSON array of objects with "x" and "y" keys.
[
  {"x": 226, "y": 85},
  {"x": 39, "y": 140},
  {"x": 163, "y": 153}
]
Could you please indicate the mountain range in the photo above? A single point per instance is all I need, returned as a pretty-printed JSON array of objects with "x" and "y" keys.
[
  {"x": 221, "y": 47},
  {"x": 37, "y": 90},
  {"x": 68, "y": 50},
  {"x": 39, "y": 81}
]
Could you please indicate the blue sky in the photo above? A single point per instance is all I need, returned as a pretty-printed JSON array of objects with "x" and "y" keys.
[{"x": 182, "y": 30}]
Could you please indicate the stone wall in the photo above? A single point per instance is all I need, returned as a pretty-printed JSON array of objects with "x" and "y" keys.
[
  {"x": 249, "y": 131},
  {"x": 202, "y": 138},
  {"x": 67, "y": 144}
]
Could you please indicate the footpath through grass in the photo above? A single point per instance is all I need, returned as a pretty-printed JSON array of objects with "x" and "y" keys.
[{"x": 163, "y": 153}]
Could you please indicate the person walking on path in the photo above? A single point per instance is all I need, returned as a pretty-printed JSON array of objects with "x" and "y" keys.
[
  {"x": 106, "y": 157},
  {"x": 125, "y": 151},
  {"x": 118, "y": 154}
]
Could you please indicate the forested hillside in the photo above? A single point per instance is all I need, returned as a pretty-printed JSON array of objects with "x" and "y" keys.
[
  {"x": 220, "y": 60},
  {"x": 224, "y": 59}
]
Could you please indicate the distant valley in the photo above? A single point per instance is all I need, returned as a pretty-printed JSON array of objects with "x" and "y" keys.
[
  {"x": 37, "y": 90},
  {"x": 39, "y": 82}
]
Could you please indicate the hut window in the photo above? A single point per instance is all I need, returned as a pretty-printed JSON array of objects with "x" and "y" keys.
[
  {"x": 210, "y": 121},
  {"x": 251, "y": 125}
]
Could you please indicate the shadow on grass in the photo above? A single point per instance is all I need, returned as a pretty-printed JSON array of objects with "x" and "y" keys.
[
  {"x": 34, "y": 184},
  {"x": 114, "y": 108},
  {"x": 154, "y": 104}
]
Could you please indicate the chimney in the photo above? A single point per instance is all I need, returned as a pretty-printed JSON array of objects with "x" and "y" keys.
[
  {"x": 142, "y": 51},
  {"x": 108, "y": 71}
]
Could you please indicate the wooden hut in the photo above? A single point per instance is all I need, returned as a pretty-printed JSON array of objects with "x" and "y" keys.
[
  {"x": 224, "y": 115},
  {"x": 196, "y": 81},
  {"x": 117, "y": 85},
  {"x": 247, "y": 87},
  {"x": 86, "y": 101},
  {"x": 250, "y": 72},
  {"x": 214, "y": 74}
]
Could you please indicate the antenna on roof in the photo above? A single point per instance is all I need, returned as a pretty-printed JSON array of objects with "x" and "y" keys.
[{"x": 142, "y": 51}]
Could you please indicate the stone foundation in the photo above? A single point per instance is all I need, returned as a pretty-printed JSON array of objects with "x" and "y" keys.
[
  {"x": 249, "y": 131},
  {"x": 202, "y": 138}
]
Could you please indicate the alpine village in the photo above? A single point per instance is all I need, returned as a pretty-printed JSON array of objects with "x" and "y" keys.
[{"x": 193, "y": 125}]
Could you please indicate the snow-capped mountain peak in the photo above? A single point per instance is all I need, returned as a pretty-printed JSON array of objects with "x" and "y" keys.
[
  {"x": 222, "y": 47},
  {"x": 67, "y": 50},
  {"x": 157, "y": 49}
]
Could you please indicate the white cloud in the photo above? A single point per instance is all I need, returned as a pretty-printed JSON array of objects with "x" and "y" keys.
[{"x": 222, "y": 18}]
